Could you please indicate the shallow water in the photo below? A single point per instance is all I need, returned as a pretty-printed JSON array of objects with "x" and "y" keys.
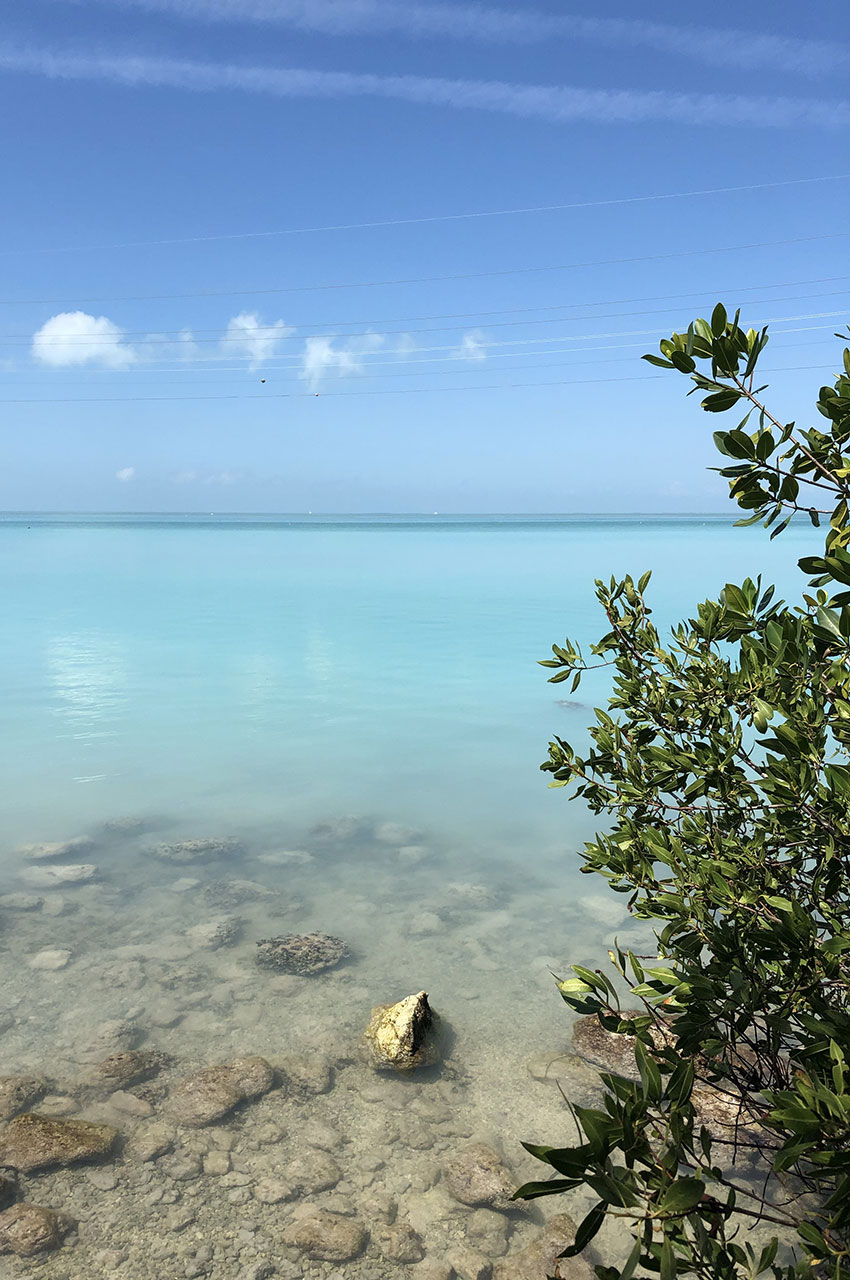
[{"x": 357, "y": 704}]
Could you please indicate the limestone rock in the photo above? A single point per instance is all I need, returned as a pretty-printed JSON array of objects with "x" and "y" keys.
[
  {"x": 20, "y": 902},
  {"x": 150, "y": 1142},
  {"x": 124, "y": 1068},
  {"x": 312, "y": 1172},
  {"x": 469, "y": 1264},
  {"x": 326, "y": 1237},
  {"x": 50, "y": 959},
  {"x": 301, "y": 952},
  {"x": 205, "y": 849},
  {"x": 541, "y": 1259},
  {"x": 478, "y": 1175},
  {"x": 306, "y": 1073},
  {"x": 59, "y": 849},
  {"x": 19, "y": 1092},
  {"x": 605, "y": 1048},
  {"x": 212, "y": 1093},
  {"x": 400, "y": 1243},
  {"x": 27, "y": 1229},
  {"x": 31, "y": 1142},
  {"x": 211, "y": 935},
  {"x": 55, "y": 876},
  {"x": 401, "y": 1037}
]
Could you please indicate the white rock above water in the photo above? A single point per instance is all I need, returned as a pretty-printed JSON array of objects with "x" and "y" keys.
[{"x": 400, "y": 1037}]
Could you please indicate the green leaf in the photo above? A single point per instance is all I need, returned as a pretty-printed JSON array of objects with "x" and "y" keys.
[
  {"x": 683, "y": 1195},
  {"x": 718, "y": 320},
  {"x": 587, "y": 1229}
]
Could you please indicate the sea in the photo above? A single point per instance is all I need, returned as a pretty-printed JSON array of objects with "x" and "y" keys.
[{"x": 350, "y": 712}]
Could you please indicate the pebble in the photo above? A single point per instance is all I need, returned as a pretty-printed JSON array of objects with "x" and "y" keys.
[
  {"x": 217, "y": 1163},
  {"x": 103, "y": 1179},
  {"x": 272, "y": 1191}
]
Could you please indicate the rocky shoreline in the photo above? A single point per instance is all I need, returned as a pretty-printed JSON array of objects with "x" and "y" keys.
[{"x": 178, "y": 1000}]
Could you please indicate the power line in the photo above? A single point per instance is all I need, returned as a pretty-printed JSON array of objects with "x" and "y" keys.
[
  {"x": 427, "y": 373},
  {"x": 171, "y": 337},
  {"x": 403, "y": 391},
  {"x": 437, "y": 217},
  {"x": 214, "y": 366},
  {"x": 468, "y": 275}
]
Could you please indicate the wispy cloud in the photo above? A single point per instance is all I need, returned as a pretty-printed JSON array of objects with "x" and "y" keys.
[
  {"x": 730, "y": 47},
  {"x": 323, "y": 356},
  {"x": 558, "y": 104},
  {"x": 472, "y": 346},
  {"x": 248, "y": 336},
  {"x": 125, "y": 474},
  {"x": 74, "y": 337}
]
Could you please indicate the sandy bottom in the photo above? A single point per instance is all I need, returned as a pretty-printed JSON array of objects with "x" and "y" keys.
[{"x": 481, "y": 938}]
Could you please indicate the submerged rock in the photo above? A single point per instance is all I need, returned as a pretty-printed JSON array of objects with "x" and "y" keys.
[
  {"x": 27, "y": 1229},
  {"x": 125, "y": 1067},
  {"x": 58, "y": 849},
  {"x": 401, "y": 1037},
  {"x": 222, "y": 932},
  {"x": 51, "y": 959},
  {"x": 400, "y": 1243},
  {"x": 478, "y": 1175},
  {"x": 204, "y": 849},
  {"x": 541, "y": 1259},
  {"x": 326, "y": 1237},
  {"x": 31, "y": 1142},
  {"x": 306, "y": 1073},
  {"x": 301, "y": 952},
  {"x": 56, "y": 876},
  {"x": 17, "y": 1093},
  {"x": 212, "y": 1093}
]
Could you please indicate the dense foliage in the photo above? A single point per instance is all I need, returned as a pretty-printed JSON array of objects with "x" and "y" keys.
[{"x": 722, "y": 765}]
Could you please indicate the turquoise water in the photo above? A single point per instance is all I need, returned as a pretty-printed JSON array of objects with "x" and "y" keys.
[
  {"x": 355, "y": 703},
  {"x": 266, "y": 670}
]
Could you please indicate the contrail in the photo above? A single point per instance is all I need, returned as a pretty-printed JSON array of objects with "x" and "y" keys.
[
  {"x": 733, "y": 48},
  {"x": 556, "y": 104}
]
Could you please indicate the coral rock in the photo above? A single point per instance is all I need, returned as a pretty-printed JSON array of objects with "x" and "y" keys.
[
  {"x": 326, "y": 1237},
  {"x": 301, "y": 952},
  {"x": 27, "y": 1229},
  {"x": 478, "y": 1175},
  {"x": 211, "y": 1094},
  {"x": 32, "y": 1142}
]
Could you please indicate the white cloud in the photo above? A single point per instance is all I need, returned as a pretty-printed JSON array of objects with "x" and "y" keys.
[
  {"x": 249, "y": 337},
  {"x": 473, "y": 346},
  {"x": 558, "y": 104},
  {"x": 321, "y": 357},
  {"x": 125, "y": 474},
  {"x": 73, "y": 337}
]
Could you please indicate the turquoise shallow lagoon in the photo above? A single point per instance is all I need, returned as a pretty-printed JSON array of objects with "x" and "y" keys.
[{"x": 356, "y": 705}]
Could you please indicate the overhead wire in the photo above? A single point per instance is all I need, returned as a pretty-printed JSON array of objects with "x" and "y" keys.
[
  {"x": 298, "y": 395},
  {"x": 435, "y": 279},
  {"x": 427, "y": 218},
  {"x": 145, "y": 337}
]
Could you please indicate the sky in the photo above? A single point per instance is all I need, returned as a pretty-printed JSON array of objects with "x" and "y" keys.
[{"x": 392, "y": 255}]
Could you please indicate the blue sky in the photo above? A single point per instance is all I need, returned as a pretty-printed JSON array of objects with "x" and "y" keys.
[{"x": 182, "y": 331}]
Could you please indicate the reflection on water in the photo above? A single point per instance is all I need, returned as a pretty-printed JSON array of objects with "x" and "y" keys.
[{"x": 253, "y": 683}]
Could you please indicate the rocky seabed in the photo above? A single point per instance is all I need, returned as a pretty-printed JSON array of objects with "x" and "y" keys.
[{"x": 245, "y": 1060}]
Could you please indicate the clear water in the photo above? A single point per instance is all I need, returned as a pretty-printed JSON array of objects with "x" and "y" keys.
[{"x": 250, "y": 678}]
